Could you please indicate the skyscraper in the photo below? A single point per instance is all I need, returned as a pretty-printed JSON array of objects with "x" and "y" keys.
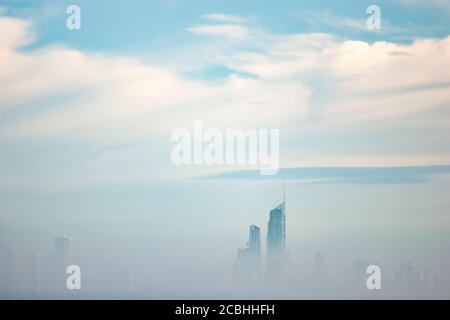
[
  {"x": 32, "y": 277},
  {"x": 248, "y": 263},
  {"x": 61, "y": 260},
  {"x": 62, "y": 247},
  {"x": 276, "y": 232},
  {"x": 254, "y": 245},
  {"x": 276, "y": 243}
]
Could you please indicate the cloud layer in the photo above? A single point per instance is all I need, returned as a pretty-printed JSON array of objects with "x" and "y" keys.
[{"x": 333, "y": 98}]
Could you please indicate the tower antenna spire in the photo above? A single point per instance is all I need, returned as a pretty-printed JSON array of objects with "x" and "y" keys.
[{"x": 284, "y": 191}]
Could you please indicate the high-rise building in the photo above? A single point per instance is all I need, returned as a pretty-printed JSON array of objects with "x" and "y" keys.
[
  {"x": 62, "y": 244},
  {"x": 61, "y": 260},
  {"x": 14, "y": 281},
  {"x": 276, "y": 233},
  {"x": 254, "y": 245},
  {"x": 248, "y": 263},
  {"x": 276, "y": 244},
  {"x": 32, "y": 277}
]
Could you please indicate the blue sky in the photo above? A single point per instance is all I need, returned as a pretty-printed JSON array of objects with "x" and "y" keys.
[{"x": 119, "y": 26}]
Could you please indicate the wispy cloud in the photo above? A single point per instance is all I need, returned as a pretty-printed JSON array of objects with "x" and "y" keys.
[
  {"x": 221, "y": 17},
  {"x": 343, "y": 23},
  {"x": 383, "y": 175},
  {"x": 232, "y": 31},
  {"x": 438, "y": 4}
]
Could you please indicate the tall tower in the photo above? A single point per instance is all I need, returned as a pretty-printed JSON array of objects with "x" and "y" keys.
[
  {"x": 247, "y": 269},
  {"x": 61, "y": 260},
  {"x": 276, "y": 232},
  {"x": 62, "y": 246},
  {"x": 254, "y": 245},
  {"x": 276, "y": 241}
]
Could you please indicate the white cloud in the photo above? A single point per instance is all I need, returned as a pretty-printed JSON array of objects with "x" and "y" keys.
[
  {"x": 221, "y": 17},
  {"x": 232, "y": 31},
  {"x": 329, "y": 19},
  {"x": 310, "y": 85},
  {"x": 357, "y": 75},
  {"x": 15, "y": 33},
  {"x": 101, "y": 94}
]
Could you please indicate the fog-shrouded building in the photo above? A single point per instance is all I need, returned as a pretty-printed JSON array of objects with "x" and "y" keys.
[
  {"x": 276, "y": 232},
  {"x": 276, "y": 243},
  {"x": 61, "y": 260},
  {"x": 248, "y": 263},
  {"x": 254, "y": 245},
  {"x": 62, "y": 247}
]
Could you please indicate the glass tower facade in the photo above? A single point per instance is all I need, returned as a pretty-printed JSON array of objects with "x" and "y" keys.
[
  {"x": 254, "y": 245},
  {"x": 276, "y": 233}
]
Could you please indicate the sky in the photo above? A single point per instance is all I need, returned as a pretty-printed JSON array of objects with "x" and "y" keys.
[
  {"x": 87, "y": 103},
  {"x": 86, "y": 118}
]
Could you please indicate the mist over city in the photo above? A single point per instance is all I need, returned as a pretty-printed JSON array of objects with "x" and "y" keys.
[{"x": 146, "y": 243}]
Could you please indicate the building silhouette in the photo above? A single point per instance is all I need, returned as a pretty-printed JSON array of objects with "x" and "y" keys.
[
  {"x": 276, "y": 260},
  {"x": 62, "y": 248},
  {"x": 61, "y": 260},
  {"x": 254, "y": 245},
  {"x": 247, "y": 268},
  {"x": 32, "y": 274},
  {"x": 276, "y": 232}
]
